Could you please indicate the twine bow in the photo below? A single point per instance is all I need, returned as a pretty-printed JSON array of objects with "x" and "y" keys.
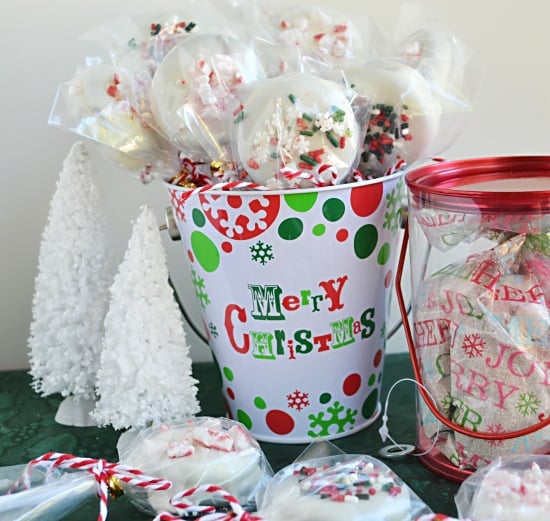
[
  {"x": 108, "y": 476},
  {"x": 207, "y": 512}
]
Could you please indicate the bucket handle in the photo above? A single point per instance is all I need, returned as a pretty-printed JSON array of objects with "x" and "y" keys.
[{"x": 418, "y": 374}]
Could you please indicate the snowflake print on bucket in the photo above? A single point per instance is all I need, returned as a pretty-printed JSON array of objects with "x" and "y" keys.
[{"x": 294, "y": 288}]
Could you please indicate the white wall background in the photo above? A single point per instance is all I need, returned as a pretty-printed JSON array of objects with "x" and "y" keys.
[{"x": 508, "y": 39}]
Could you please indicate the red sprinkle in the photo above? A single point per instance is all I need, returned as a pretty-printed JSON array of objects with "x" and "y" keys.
[
  {"x": 318, "y": 36},
  {"x": 253, "y": 164},
  {"x": 302, "y": 124},
  {"x": 304, "y": 166},
  {"x": 394, "y": 491},
  {"x": 343, "y": 142},
  {"x": 316, "y": 154},
  {"x": 112, "y": 91},
  {"x": 340, "y": 28}
]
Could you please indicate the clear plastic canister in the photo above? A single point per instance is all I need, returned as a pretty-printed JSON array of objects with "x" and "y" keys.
[{"x": 478, "y": 242}]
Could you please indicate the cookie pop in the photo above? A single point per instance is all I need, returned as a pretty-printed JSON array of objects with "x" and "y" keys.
[
  {"x": 436, "y": 54},
  {"x": 344, "y": 487},
  {"x": 99, "y": 100},
  {"x": 297, "y": 126},
  {"x": 403, "y": 122},
  {"x": 203, "y": 450},
  {"x": 193, "y": 93},
  {"x": 323, "y": 35}
]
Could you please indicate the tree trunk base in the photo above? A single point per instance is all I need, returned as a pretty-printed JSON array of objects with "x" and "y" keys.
[{"x": 74, "y": 411}]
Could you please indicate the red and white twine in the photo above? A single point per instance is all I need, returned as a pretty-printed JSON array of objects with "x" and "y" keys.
[
  {"x": 207, "y": 512},
  {"x": 102, "y": 471}
]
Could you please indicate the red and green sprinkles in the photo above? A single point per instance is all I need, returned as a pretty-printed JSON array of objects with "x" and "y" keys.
[
  {"x": 386, "y": 126},
  {"x": 348, "y": 482},
  {"x": 290, "y": 139}
]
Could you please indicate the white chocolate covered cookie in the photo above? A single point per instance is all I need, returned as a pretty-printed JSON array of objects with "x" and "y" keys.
[
  {"x": 202, "y": 451},
  {"x": 328, "y": 36},
  {"x": 507, "y": 495},
  {"x": 99, "y": 98},
  {"x": 404, "y": 114},
  {"x": 193, "y": 93},
  {"x": 297, "y": 123},
  {"x": 324, "y": 490},
  {"x": 437, "y": 55}
]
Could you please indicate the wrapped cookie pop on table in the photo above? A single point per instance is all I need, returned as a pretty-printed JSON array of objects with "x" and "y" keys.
[
  {"x": 354, "y": 487},
  {"x": 201, "y": 451},
  {"x": 480, "y": 265},
  {"x": 511, "y": 488},
  {"x": 55, "y": 484}
]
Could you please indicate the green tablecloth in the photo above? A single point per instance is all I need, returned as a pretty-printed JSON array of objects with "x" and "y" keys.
[{"x": 28, "y": 430}]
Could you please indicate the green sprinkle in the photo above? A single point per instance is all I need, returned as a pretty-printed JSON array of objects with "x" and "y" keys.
[
  {"x": 333, "y": 139},
  {"x": 240, "y": 117},
  {"x": 274, "y": 155},
  {"x": 306, "y": 132},
  {"x": 307, "y": 117},
  {"x": 292, "y": 98},
  {"x": 190, "y": 26},
  {"x": 308, "y": 159},
  {"x": 339, "y": 115}
]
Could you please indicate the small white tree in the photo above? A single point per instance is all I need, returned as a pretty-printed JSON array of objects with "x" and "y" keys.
[
  {"x": 145, "y": 371},
  {"x": 71, "y": 287}
]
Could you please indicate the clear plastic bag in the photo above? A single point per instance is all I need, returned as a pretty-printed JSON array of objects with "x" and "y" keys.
[
  {"x": 54, "y": 484},
  {"x": 326, "y": 484},
  {"x": 511, "y": 488},
  {"x": 203, "y": 450},
  {"x": 52, "y": 495},
  {"x": 490, "y": 351}
]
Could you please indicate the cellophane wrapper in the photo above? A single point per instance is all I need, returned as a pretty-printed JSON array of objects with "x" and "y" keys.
[
  {"x": 52, "y": 494},
  {"x": 482, "y": 334},
  {"x": 201, "y": 451},
  {"x": 325, "y": 484},
  {"x": 511, "y": 488}
]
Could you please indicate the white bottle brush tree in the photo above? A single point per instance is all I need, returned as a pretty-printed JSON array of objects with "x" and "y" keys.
[
  {"x": 71, "y": 292},
  {"x": 144, "y": 376}
]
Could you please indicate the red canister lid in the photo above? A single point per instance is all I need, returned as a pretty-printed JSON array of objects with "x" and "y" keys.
[{"x": 509, "y": 184}]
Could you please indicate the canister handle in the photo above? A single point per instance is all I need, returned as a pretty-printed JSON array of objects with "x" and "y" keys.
[{"x": 418, "y": 374}]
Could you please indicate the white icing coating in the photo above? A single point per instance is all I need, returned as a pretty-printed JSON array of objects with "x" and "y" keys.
[
  {"x": 99, "y": 100},
  {"x": 193, "y": 92},
  {"x": 322, "y": 490},
  {"x": 297, "y": 122},
  {"x": 205, "y": 452},
  {"x": 404, "y": 118},
  {"x": 436, "y": 54},
  {"x": 322, "y": 34},
  {"x": 513, "y": 496}
]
